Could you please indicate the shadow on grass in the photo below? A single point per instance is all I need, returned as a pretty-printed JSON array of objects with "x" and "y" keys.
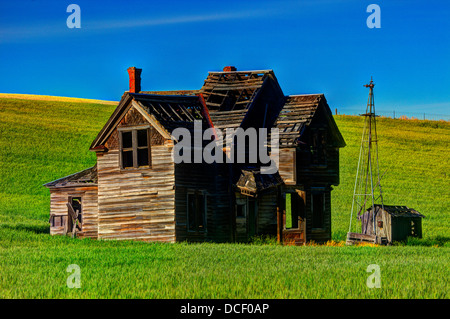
[
  {"x": 439, "y": 241},
  {"x": 37, "y": 229}
]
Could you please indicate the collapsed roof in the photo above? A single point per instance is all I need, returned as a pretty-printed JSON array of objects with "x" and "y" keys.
[
  {"x": 87, "y": 177},
  {"x": 228, "y": 99}
]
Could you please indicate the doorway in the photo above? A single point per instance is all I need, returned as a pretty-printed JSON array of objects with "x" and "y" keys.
[
  {"x": 291, "y": 218},
  {"x": 246, "y": 218},
  {"x": 76, "y": 204}
]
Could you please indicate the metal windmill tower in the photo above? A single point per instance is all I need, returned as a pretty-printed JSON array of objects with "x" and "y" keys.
[{"x": 367, "y": 183}]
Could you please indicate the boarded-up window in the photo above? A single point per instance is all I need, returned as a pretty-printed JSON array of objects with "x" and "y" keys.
[
  {"x": 196, "y": 211},
  {"x": 134, "y": 148},
  {"x": 56, "y": 221}
]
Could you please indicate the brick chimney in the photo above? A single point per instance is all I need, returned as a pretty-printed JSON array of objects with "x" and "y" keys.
[
  {"x": 229, "y": 69},
  {"x": 135, "y": 79}
]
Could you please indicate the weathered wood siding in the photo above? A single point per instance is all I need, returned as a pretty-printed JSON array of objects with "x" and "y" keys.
[
  {"x": 137, "y": 203},
  {"x": 287, "y": 165},
  {"x": 267, "y": 213},
  {"x": 59, "y": 197},
  {"x": 212, "y": 180}
]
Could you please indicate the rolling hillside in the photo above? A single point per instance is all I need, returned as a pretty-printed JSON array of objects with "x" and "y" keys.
[{"x": 42, "y": 140}]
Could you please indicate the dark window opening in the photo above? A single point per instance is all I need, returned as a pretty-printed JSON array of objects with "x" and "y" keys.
[
  {"x": 127, "y": 140},
  {"x": 318, "y": 210},
  {"x": 196, "y": 212},
  {"x": 135, "y": 148},
  {"x": 240, "y": 210},
  {"x": 142, "y": 138},
  {"x": 318, "y": 147},
  {"x": 127, "y": 159}
]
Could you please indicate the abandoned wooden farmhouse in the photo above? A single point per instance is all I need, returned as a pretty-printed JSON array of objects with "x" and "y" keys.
[{"x": 137, "y": 191}]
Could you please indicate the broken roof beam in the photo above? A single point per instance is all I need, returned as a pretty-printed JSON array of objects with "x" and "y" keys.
[
  {"x": 174, "y": 112},
  {"x": 153, "y": 121}
]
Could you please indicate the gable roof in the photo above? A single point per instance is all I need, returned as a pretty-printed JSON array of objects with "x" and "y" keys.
[
  {"x": 87, "y": 177},
  {"x": 173, "y": 111},
  {"x": 297, "y": 113},
  {"x": 164, "y": 112}
]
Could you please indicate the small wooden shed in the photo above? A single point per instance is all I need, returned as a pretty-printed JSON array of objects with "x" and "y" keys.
[{"x": 392, "y": 223}]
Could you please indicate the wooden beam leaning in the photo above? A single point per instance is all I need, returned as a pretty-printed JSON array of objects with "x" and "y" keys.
[
  {"x": 74, "y": 216},
  {"x": 153, "y": 121}
]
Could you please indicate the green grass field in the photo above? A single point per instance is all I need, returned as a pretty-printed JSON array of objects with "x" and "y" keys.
[{"x": 44, "y": 140}]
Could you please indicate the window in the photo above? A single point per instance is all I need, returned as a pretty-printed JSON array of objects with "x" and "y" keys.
[
  {"x": 318, "y": 147},
  {"x": 318, "y": 210},
  {"x": 134, "y": 148},
  {"x": 196, "y": 211}
]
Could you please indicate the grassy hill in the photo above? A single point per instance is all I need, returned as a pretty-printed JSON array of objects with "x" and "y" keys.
[{"x": 42, "y": 140}]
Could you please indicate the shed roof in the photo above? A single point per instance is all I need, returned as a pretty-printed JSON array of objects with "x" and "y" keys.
[
  {"x": 87, "y": 177},
  {"x": 399, "y": 211}
]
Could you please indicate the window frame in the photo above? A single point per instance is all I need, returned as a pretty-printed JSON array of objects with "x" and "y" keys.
[
  {"x": 318, "y": 149},
  {"x": 134, "y": 147}
]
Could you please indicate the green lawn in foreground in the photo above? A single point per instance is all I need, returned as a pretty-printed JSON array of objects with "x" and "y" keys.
[{"x": 44, "y": 140}]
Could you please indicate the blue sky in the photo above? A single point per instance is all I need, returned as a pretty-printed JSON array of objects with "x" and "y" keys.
[{"x": 317, "y": 46}]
